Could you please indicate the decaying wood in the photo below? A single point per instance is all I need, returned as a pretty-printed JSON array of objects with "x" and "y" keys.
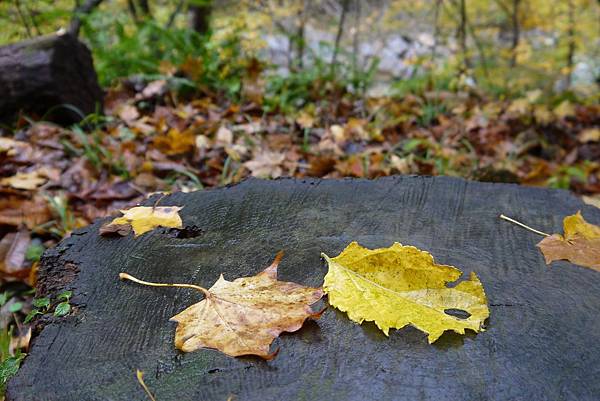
[
  {"x": 51, "y": 76},
  {"x": 541, "y": 340}
]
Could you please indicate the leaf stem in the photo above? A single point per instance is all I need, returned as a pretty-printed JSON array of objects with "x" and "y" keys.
[
  {"x": 140, "y": 377},
  {"x": 125, "y": 276},
  {"x": 524, "y": 226}
]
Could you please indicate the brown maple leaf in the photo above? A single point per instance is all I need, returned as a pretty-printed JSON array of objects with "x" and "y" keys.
[
  {"x": 580, "y": 243},
  {"x": 243, "y": 316}
]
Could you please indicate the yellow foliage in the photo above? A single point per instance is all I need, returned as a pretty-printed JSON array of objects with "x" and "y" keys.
[
  {"x": 402, "y": 285},
  {"x": 175, "y": 142},
  {"x": 146, "y": 218}
]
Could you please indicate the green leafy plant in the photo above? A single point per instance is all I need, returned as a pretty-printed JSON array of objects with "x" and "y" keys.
[
  {"x": 316, "y": 83},
  {"x": 9, "y": 361},
  {"x": 563, "y": 177},
  {"x": 92, "y": 147},
  {"x": 429, "y": 113},
  {"x": 41, "y": 306},
  {"x": 34, "y": 252},
  {"x": 63, "y": 308},
  {"x": 121, "y": 50}
]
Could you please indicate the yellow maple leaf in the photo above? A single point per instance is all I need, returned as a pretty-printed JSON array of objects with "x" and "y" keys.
[
  {"x": 243, "y": 316},
  {"x": 143, "y": 219},
  {"x": 175, "y": 142},
  {"x": 580, "y": 243},
  {"x": 402, "y": 285}
]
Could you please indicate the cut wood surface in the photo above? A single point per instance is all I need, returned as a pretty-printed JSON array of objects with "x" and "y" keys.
[
  {"x": 541, "y": 341},
  {"x": 49, "y": 76}
]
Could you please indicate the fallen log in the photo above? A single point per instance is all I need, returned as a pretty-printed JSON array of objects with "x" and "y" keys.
[
  {"x": 51, "y": 76},
  {"x": 541, "y": 341}
]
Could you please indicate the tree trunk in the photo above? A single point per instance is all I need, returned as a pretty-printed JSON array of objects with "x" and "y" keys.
[
  {"x": 145, "y": 8},
  {"x": 541, "y": 341},
  {"x": 356, "y": 36},
  {"x": 200, "y": 17},
  {"x": 49, "y": 74},
  {"x": 78, "y": 12},
  {"x": 133, "y": 11},
  {"x": 338, "y": 36},
  {"x": 571, "y": 42},
  {"x": 516, "y": 32},
  {"x": 436, "y": 30},
  {"x": 300, "y": 35},
  {"x": 462, "y": 37}
]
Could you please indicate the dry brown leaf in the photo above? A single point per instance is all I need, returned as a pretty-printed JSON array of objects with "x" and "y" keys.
[
  {"x": 337, "y": 133},
  {"x": 15, "y": 211},
  {"x": 355, "y": 128},
  {"x": 591, "y": 200},
  {"x": 580, "y": 243},
  {"x": 224, "y": 136},
  {"x": 129, "y": 113},
  {"x": 13, "y": 248},
  {"x": 20, "y": 340},
  {"x": 11, "y": 146},
  {"x": 154, "y": 89},
  {"x": 266, "y": 164},
  {"x": 28, "y": 181},
  {"x": 589, "y": 135},
  {"x": 305, "y": 120},
  {"x": 244, "y": 316}
]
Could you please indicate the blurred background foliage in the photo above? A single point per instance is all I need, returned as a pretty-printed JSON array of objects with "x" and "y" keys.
[{"x": 502, "y": 47}]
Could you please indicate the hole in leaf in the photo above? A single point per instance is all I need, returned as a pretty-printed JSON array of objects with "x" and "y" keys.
[{"x": 459, "y": 313}]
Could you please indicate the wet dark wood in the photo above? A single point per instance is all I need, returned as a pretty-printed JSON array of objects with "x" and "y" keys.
[
  {"x": 48, "y": 76},
  {"x": 541, "y": 341}
]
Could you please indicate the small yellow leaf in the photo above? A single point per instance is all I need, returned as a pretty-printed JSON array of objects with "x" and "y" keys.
[
  {"x": 520, "y": 106},
  {"x": 338, "y": 133},
  {"x": 589, "y": 135},
  {"x": 29, "y": 181},
  {"x": 591, "y": 200},
  {"x": 580, "y": 243},
  {"x": 576, "y": 226},
  {"x": 305, "y": 120},
  {"x": 143, "y": 219},
  {"x": 402, "y": 285},
  {"x": 542, "y": 114},
  {"x": 565, "y": 109},
  {"x": 175, "y": 142}
]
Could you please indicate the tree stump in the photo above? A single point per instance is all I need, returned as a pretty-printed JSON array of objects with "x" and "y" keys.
[
  {"x": 541, "y": 341},
  {"x": 52, "y": 75}
]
